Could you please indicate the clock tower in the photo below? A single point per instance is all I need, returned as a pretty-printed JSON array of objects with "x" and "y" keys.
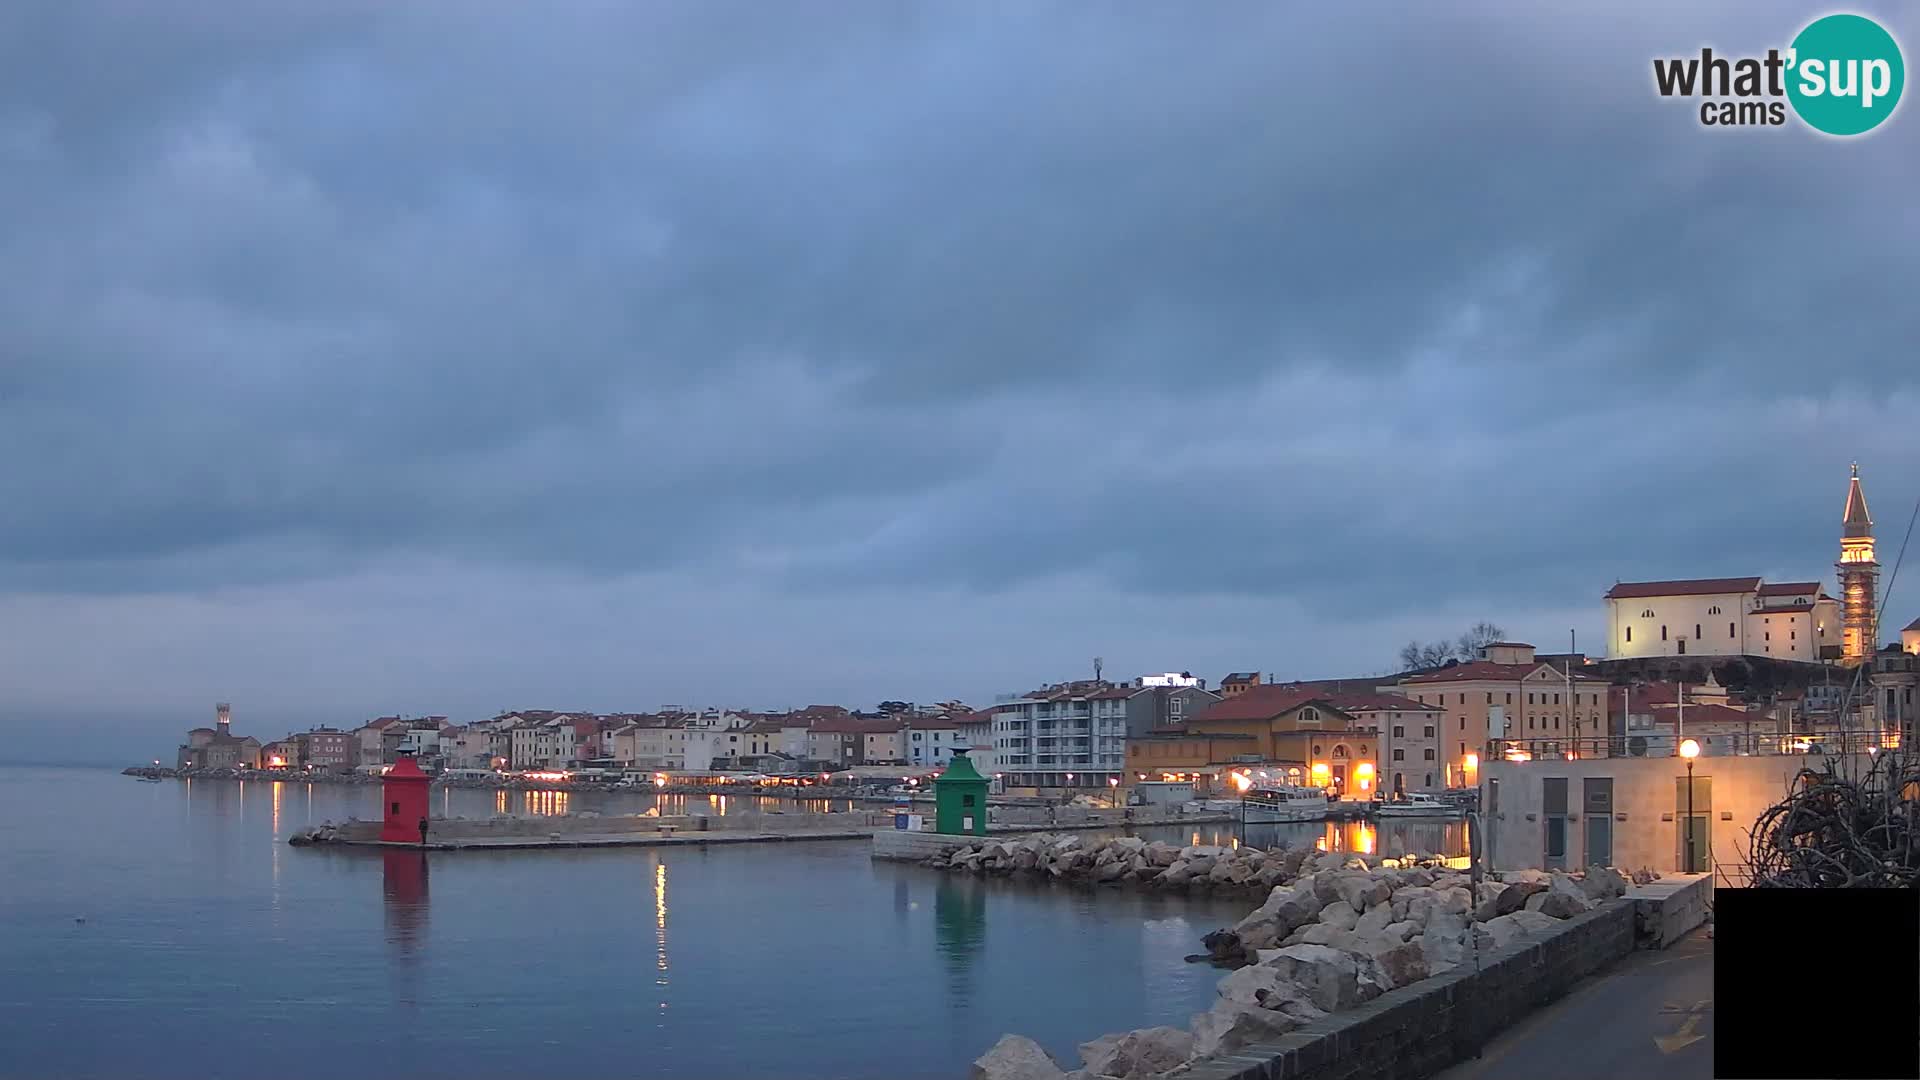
[{"x": 1859, "y": 577}]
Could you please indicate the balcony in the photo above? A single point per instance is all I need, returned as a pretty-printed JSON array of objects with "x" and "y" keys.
[{"x": 1712, "y": 743}]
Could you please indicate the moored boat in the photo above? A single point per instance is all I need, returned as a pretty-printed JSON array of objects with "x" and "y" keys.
[{"x": 1284, "y": 804}]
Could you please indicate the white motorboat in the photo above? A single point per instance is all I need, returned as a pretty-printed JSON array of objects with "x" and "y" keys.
[
  {"x": 1419, "y": 804},
  {"x": 1265, "y": 805}
]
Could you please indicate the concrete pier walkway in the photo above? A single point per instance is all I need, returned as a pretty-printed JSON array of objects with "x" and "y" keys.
[{"x": 1651, "y": 1016}]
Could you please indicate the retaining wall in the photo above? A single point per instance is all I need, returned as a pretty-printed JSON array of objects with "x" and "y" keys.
[
  {"x": 1670, "y": 907},
  {"x": 1415, "y": 1032}
]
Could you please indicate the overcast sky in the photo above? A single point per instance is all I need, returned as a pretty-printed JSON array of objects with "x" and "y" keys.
[{"x": 366, "y": 357}]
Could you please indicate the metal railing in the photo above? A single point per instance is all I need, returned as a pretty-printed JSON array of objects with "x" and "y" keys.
[{"x": 1712, "y": 743}]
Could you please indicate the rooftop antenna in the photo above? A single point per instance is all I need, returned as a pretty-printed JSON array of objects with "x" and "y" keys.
[{"x": 1098, "y": 663}]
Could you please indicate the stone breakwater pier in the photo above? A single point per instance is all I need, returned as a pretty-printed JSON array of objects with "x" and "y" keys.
[
  {"x": 1351, "y": 967},
  {"x": 590, "y": 830}
]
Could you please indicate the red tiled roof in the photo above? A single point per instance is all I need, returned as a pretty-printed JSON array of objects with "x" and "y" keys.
[
  {"x": 1689, "y": 587},
  {"x": 1356, "y": 703},
  {"x": 1260, "y": 703},
  {"x": 1711, "y": 714},
  {"x": 1488, "y": 671},
  {"x": 935, "y": 723},
  {"x": 851, "y": 725},
  {"x": 1790, "y": 588}
]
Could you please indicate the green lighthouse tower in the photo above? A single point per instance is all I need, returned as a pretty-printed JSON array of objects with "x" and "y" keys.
[{"x": 960, "y": 798}]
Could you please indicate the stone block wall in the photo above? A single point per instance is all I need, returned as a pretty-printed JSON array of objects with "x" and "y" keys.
[{"x": 1417, "y": 1031}]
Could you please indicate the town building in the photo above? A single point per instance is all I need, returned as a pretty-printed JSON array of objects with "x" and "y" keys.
[
  {"x": 1747, "y": 616},
  {"x": 1512, "y": 696},
  {"x": 327, "y": 749},
  {"x": 931, "y": 740},
  {"x": 1161, "y": 705},
  {"x": 1406, "y": 733},
  {"x": 1297, "y": 731},
  {"x": 1910, "y": 638},
  {"x": 1239, "y": 683},
  {"x": 1068, "y": 735},
  {"x": 218, "y": 747},
  {"x": 283, "y": 754}
]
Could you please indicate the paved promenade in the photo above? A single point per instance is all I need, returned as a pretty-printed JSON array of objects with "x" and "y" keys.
[{"x": 1649, "y": 1017}]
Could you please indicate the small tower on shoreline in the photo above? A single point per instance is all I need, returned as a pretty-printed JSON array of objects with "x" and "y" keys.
[
  {"x": 1859, "y": 575},
  {"x": 223, "y": 718}
]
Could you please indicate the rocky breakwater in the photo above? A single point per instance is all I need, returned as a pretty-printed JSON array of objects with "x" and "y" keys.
[
  {"x": 1129, "y": 860},
  {"x": 1341, "y": 931}
]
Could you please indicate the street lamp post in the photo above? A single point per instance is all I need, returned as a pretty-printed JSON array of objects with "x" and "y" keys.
[{"x": 1689, "y": 750}]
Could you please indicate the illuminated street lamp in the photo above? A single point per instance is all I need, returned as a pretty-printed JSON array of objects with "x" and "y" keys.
[
  {"x": 1689, "y": 750},
  {"x": 1113, "y": 789}
]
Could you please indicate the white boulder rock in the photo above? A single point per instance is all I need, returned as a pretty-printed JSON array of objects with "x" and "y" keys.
[{"x": 1016, "y": 1057}]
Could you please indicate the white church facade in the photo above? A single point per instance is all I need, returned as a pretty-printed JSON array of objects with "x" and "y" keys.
[
  {"x": 1722, "y": 617},
  {"x": 1747, "y": 616}
]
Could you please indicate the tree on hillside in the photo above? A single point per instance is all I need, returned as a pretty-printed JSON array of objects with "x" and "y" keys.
[{"x": 1419, "y": 656}]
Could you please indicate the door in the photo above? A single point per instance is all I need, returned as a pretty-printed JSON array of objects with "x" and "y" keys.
[
  {"x": 1598, "y": 808},
  {"x": 1693, "y": 831},
  {"x": 1554, "y": 805}
]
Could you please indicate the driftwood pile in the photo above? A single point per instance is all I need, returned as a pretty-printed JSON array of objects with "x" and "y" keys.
[{"x": 1842, "y": 827}]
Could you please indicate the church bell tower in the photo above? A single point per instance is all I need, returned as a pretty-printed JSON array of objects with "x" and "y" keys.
[{"x": 1859, "y": 576}]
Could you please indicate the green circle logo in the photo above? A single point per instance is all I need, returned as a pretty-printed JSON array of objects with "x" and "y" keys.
[{"x": 1845, "y": 74}]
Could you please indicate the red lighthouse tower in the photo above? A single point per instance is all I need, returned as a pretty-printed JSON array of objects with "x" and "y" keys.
[{"x": 405, "y": 795}]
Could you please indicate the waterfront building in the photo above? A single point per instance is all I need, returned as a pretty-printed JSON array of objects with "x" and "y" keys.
[
  {"x": 283, "y": 754},
  {"x": 977, "y": 734},
  {"x": 1555, "y": 814},
  {"x": 1910, "y": 638},
  {"x": 372, "y": 744},
  {"x": 327, "y": 749},
  {"x": 1068, "y": 735},
  {"x": 1508, "y": 694},
  {"x": 1295, "y": 730},
  {"x": 1406, "y": 736},
  {"x": 932, "y": 740},
  {"x": 218, "y": 747},
  {"x": 1155, "y": 705}
]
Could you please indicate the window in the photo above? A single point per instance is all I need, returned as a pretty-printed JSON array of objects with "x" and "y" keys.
[
  {"x": 1463, "y": 723},
  {"x": 1316, "y": 749},
  {"x": 1663, "y": 633},
  {"x": 1399, "y": 732},
  {"x": 1696, "y": 631},
  {"x": 1530, "y": 699},
  {"x": 1429, "y": 754},
  {"x": 1793, "y": 635},
  {"x": 1556, "y": 699},
  {"x": 396, "y": 808},
  {"x": 1769, "y": 635},
  {"x": 1714, "y": 610},
  {"x": 1308, "y": 716},
  {"x": 1629, "y": 633},
  {"x": 1463, "y": 749},
  {"x": 1509, "y": 698},
  {"x": 1729, "y": 629},
  {"x": 1529, "y": 723},
  {"x": 1489, "y": 697},
  {"x": 1463, "y": 699},
  {"x": 1399, "y": 755},
  {"x": 1647, "y": 614},
  {"x": 1429, "y": 775},
  {"x": 1429, "y": 731}
]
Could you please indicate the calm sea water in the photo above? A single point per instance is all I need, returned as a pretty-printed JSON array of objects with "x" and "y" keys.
[{"x": 210, "y": 948}]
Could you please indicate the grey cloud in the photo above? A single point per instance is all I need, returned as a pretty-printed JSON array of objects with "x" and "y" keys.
[{"x": 1446, "y": 310}]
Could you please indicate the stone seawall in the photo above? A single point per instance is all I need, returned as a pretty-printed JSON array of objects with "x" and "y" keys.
[{"x": 1416, "y": 1031}]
